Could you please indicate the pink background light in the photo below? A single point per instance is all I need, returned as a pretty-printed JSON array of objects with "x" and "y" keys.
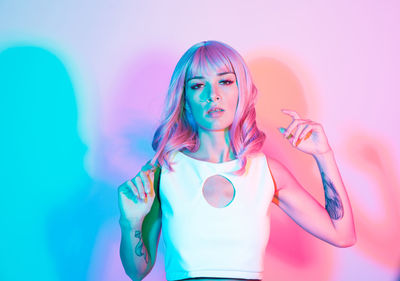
[{"x": 335, "y": 63}]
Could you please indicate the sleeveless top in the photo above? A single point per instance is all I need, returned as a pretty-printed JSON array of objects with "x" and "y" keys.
[{"x": 205, "y": 241}]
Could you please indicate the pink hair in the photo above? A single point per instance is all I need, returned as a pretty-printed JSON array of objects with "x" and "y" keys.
[{"x": 178, "y": 129}]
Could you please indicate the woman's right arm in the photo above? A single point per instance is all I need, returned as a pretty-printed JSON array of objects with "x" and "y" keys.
[
  {"x": 140, "y": 223},
  {"x": 133, "y": 253}
]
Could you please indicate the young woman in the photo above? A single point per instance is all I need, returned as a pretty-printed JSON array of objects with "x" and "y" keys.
[{"x": 215, "y": 186}]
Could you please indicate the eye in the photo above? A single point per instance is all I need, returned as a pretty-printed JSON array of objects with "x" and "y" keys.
[
  {"x": 196, "y": 86},
  {"x": 226, "y": 82}
]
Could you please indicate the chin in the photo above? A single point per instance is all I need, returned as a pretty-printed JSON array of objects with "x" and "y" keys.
[{"x": 216, "y": 127}]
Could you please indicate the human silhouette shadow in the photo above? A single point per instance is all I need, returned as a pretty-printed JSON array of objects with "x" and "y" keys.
[
  {"x": 132, "y": 116},
  {"x": 53, "y": 209},
  {"x": 291, "y": 253},
  {"x": 378, "y": 231}
]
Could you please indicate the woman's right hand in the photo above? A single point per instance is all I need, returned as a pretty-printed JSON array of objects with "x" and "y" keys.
[{"x": 136, "y": 196}]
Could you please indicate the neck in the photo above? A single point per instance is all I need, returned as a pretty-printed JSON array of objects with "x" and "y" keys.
[{"x": 214, "y": 146}]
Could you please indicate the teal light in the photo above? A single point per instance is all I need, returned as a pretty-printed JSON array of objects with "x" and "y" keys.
[{"x": 42, "y": 172}]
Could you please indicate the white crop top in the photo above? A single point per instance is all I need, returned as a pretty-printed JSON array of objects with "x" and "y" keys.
[{"x": 206, "y": 241}]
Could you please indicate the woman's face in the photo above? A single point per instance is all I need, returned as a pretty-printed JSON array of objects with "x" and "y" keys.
[{"x": 213, "y": 98}]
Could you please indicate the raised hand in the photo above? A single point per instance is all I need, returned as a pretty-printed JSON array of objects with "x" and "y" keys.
[
  {"x": 136, "y": 196},
  {"x": 306, "y": 135}
]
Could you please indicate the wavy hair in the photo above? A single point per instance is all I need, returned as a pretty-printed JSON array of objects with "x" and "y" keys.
[{"x": 178, "y": 130}]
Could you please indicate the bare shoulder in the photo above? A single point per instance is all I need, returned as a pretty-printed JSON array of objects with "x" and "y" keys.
[
  {"x": 275, "y": 165},
  {"x": 279, "y": 172}
]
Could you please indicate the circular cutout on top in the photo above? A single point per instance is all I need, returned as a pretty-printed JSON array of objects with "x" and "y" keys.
[{"x": 218, "y": 191}]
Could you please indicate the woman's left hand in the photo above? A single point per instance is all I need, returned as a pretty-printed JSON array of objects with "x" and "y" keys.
[{"x": 306, "y": 135}]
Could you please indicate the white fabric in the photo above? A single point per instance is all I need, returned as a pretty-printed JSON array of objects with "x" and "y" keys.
[{"x": 204, "y": 241}]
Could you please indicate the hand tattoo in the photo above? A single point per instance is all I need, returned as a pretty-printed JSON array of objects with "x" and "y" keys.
[{"x": 333, "y": 203}]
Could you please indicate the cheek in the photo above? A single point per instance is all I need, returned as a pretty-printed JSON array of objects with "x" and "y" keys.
[
  {"x": 197, "y": 109},
  {"x": 233, "y": 102}
]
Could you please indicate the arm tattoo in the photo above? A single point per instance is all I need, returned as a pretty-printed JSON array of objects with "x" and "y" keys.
[
  {"x": 333, "y": 203},
  {"x": 139, "y": 247}
]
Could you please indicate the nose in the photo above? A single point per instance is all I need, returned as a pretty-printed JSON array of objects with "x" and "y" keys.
[
  {"x": 213, "y": 98},
  {"x": 214, "y": 95}
]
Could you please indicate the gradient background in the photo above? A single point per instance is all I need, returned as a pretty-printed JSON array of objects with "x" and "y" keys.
[{"x": 81, "y": 89}]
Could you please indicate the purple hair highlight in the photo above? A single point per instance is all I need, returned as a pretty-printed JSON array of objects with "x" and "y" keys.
[{"x": 178, "y": 130}]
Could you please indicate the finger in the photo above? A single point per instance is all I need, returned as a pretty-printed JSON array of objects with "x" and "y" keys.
[
  {"x": 148, "y": 167},
  {"x": 139, "y": 185},
  {"x": 282, "y": 130},
  {"x": 292, "y": 113},
  {"x": 150, "y": 176},
  {"x": 133, "y": 189},
  {"x": 145, "y": 181},
  {"x": 288, "y": 132},
  {"x": 300, "y": 127},
  {"x": 290, "y": 129},
  {"x": 306, "y": 133}
]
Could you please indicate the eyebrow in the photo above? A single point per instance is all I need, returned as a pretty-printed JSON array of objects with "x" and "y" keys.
[{"x": 201, "y": 77}]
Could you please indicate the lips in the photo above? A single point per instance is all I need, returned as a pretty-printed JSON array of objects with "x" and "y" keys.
[{"x": 214, "y": 109}]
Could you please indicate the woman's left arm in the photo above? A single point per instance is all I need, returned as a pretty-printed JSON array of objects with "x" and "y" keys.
[{"x": 334, "y": 223}]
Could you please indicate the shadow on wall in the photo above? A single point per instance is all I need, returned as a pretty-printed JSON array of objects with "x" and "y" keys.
[
  {"x": 52, "y": 211},
  {"x": 292, "y": 253},
  {"x": 378, "y": 233},
  {"x": 131, "y": 115},
  {"x": 132, "y": 110}
]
